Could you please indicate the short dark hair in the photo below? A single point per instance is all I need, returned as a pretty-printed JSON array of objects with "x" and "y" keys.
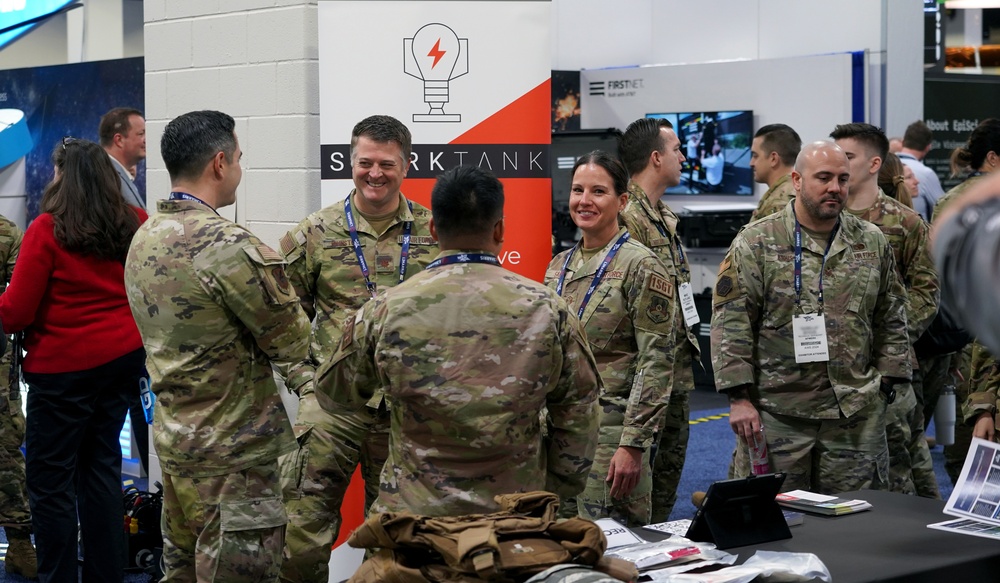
[
  {"x": 641, "y": 138},
  {"x": 984, "y": 139},
  {"x": 466, "y": 200},
  {"x": 383, "y": 129},
  {"x": 870, "y": 136},
  {"x": 115, "y": 122},
  {"x": 85, "y": 200},
  {"x": 780, "y": 138},
  {"x": 190, "y": 141},
  {"x": 917, "y": 136},
  {"x": 612, "y": 165}
]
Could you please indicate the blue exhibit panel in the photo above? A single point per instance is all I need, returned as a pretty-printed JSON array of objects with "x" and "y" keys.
[{"x": 15, "y": 12}]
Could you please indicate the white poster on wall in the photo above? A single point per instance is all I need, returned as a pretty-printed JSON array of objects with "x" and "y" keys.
[{"x": 471, "y": 81}]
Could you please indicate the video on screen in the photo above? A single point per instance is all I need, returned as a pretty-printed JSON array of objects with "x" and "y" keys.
[{"x": 716, "y": 148}]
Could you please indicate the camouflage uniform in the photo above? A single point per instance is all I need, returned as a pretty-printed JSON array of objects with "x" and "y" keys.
[
  {"x": 323, "y": 268},
  {"x": 216, "y": 312},
  {"x": 911, "y": 469},
  {"x": 468, "y": 354},
  {"x": 14, "y": 510},
  {"x": 657, "y": 229},
  {"x": 629, "y": 326},
  {"x": 985, "y": 376},
  {"x": 775, "y": 198},
  {"x": 824, "y": 421},
  {"x": 961, "y": 361}
]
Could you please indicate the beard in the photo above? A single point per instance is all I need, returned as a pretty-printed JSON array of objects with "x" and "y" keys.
[{"x": 818, "y": 212}]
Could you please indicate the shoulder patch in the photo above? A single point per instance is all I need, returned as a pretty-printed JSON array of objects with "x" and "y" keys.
[
  {"x": 661, "y": 286},
  {"x": 725, "y": 285}
]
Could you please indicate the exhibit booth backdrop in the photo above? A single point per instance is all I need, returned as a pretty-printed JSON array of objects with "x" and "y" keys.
[
  {"x": 811, "y": 94},
  {"x": 470, "y": 93},
  {"x": 59, "y": 101},
  {"x": 954, "y": 105}
]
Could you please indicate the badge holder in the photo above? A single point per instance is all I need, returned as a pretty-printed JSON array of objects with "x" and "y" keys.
[{"x": 741, "y": 512}]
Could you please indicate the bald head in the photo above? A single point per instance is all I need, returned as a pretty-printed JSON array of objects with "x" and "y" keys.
[{"x": 820, "y": 150}]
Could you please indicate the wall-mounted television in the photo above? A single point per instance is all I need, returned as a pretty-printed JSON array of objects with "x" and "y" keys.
[{"x": 716, "y": 145}]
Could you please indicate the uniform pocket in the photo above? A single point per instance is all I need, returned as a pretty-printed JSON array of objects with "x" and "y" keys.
[{"x": 251, "y": 537}]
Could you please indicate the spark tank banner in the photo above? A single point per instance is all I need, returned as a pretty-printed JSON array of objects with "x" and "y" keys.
[{"x": 470, "y": 79}]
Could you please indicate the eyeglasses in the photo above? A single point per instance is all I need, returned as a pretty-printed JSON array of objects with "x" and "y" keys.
[{"x": 67, "y": 140}]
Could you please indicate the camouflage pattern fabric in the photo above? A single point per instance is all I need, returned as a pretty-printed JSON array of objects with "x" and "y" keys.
[
  {"x": 628, "y": 322},
  {"x": 910, "y": 460},
  {"x": 223, "y": 528},
  {"x": 216, "y": 312},
  {"x": 316, "y": 477},
  {"x": 985, "y": 378},
  {"x": 468, "y": 354},
  {"x": 864, "y": 308},
  {"x": 324, "y": 270},
  {"x": 775, "y": 199},
  {"x": 644, "y": 223},
  {"x": 828, "y": 456},
  {"x": 13, "y": 495}
]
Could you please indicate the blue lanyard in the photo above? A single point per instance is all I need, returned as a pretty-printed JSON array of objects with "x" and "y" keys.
[
  {"x": 597, "y": 276},
  {"x": 404, "y": 254},
  {"x": 185, "y": 196},
  {"x": 464, "y": 258},
  {"x": 798, "y": 261}
]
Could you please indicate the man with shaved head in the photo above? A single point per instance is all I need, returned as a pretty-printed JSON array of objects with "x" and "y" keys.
[{"x": 809, "y": 335}]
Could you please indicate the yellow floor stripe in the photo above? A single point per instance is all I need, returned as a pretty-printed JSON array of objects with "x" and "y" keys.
[{"x": 709, "y": 418}]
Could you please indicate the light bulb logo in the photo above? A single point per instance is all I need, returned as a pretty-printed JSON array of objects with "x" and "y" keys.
[{"x": 436, "y": 55}]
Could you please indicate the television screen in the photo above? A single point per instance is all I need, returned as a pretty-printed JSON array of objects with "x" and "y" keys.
[{"x": 716, "y": 148}]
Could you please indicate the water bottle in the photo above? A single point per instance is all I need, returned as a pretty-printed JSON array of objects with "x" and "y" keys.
[
  {"x": 758, "y": 454},
  {"x": 944, "y": 417}
]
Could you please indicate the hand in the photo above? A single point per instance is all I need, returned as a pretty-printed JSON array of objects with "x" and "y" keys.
[
  {"x": 955, "y": 372},
  {"x": 744, "y": 419},
  {"x": 624, "y": 471},
  {"x": 985, "y": 426}
]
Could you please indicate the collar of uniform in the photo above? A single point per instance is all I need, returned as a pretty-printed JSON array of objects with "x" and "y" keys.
[
  {"x": 781, "y": 181},
  {"x": 176, "y": 206},
  {"x": 638, "y": 196},
  {"x": 403, "y": 214},
  {"x": 847, "y": 231},
  {"x": 582, "y": 268}
]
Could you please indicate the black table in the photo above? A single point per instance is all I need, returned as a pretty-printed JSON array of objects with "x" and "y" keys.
[{"x": 890, "y": 542}]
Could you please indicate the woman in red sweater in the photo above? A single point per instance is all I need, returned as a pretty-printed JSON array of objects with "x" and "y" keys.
[{"x": 84, "y": 358}]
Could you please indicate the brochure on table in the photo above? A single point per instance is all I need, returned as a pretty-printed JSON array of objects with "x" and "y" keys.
[{"x": 976, "y": 497}]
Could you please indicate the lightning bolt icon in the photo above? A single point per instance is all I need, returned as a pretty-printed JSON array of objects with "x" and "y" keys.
[{"x": 436, "y": 52}]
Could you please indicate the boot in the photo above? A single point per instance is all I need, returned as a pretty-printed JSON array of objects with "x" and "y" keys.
[{"x": 21, "y": 558}]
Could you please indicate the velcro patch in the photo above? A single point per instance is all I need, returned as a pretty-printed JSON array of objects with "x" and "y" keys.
[
  {"x": 269, "y": 255},
  {"x": 725, "y": 285},
  {"x": 415, "y": 240},
  {"x": 287, "y": 244},
  {"x": 661, "y": 286}
]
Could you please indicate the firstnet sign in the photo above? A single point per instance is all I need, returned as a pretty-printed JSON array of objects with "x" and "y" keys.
[{"x": 15, "y": 12}]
